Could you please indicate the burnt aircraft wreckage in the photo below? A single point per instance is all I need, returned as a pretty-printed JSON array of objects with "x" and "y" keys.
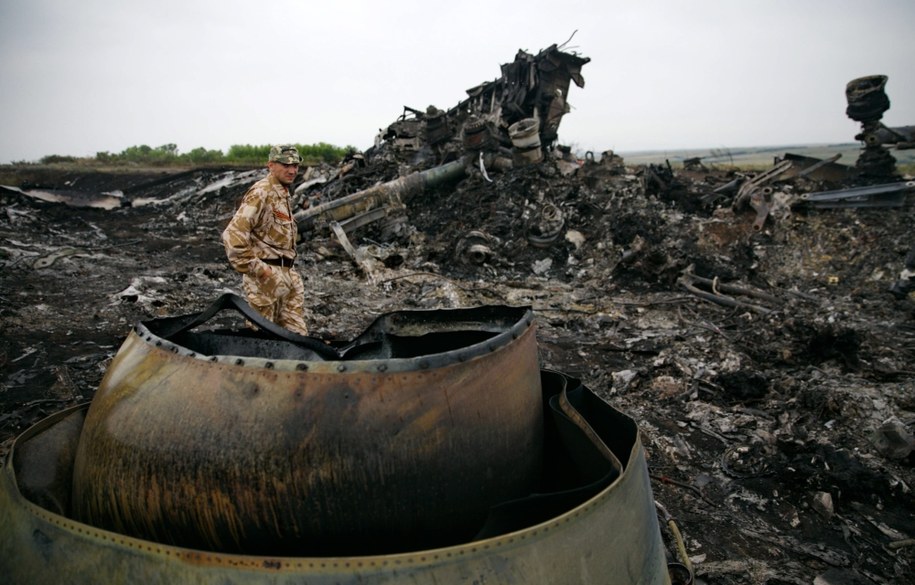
[
  {"x": 430, "y": 448},
  {"x": 867, "y": 102},
  {"x": 511, "y": 121}
]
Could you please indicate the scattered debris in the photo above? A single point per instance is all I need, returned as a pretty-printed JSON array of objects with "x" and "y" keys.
[{"x": 760, "y": 358}]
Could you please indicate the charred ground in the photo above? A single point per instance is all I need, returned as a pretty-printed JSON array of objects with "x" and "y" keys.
[{"x": 761, "y": 419}]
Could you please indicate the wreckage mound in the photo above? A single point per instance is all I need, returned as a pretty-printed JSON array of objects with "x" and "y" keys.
[
  {"x": 770, "y": 369},
  {"x": 535, "y": 221},
  {"x": 538, "y": 221}
]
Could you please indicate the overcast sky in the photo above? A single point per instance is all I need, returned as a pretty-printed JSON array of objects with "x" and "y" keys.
[{"x": 80, "y": 77}]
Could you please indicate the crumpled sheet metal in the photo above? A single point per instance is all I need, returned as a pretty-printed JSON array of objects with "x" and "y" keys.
[
  {"x": 605, "y": 531},
  {"x": 406, "y": 445}
]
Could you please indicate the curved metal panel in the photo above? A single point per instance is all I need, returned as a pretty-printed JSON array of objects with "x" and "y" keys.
[
  {"x": 611, "y": 538},
  {"x": 406, "y": 450}
]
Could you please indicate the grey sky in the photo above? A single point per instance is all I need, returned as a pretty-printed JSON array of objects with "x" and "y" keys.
[{"x": 101, "y": 75}]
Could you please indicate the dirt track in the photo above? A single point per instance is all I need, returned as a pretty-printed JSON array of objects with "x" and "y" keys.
[{"x": 755, "y": 417}]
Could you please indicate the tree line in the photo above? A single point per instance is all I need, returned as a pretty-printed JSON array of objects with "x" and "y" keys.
[{"x": 168, "y": 154}]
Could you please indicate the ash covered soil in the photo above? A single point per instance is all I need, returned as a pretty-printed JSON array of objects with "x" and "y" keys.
[{"x": 771, "y": 421}]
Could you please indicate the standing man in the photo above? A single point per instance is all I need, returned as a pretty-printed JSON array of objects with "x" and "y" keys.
[{"x": 260, "y": 244}]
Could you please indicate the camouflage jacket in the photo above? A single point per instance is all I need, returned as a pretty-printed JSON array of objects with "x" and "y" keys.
[{"x": 263, "y": 227}]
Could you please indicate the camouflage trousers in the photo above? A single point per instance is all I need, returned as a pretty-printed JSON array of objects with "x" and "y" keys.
[{"x": 279, "y": 297}]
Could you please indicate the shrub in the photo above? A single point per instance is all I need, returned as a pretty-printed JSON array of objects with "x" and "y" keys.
[
  {"x": 168, "y": 154},
  {"x": 56, "y": 158}
]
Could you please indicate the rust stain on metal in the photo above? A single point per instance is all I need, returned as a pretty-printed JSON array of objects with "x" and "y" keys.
[{"x": 186, "y": 451}]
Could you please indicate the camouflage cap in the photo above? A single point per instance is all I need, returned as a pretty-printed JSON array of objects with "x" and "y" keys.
[{"x": 287, "y": 154}]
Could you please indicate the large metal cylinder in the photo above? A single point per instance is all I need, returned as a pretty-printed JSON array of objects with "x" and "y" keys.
[
  {"x": 588, "y": 524},
  {"x": 394, "y": 192},
  {"x": 403, "y": 446}
]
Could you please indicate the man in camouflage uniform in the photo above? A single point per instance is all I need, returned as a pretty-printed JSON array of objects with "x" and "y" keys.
[{"x": 260, "y": 244}]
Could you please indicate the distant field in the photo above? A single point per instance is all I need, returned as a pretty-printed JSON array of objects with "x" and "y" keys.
[{"x": 749, "y": 157}]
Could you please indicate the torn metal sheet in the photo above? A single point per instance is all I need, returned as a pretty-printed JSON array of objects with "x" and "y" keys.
[
  {"x": 72, "y": 198},
  {"x": 828, "y": 169},
  {"x": 885, "y": 195}
]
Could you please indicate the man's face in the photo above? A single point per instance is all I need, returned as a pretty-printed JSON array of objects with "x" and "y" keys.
[{"x": 283, "y": 173}]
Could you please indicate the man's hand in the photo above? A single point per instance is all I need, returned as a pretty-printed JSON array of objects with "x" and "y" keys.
[
  {"x": 282, "y": 289},
  {"x": 275, "y": 283}
]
